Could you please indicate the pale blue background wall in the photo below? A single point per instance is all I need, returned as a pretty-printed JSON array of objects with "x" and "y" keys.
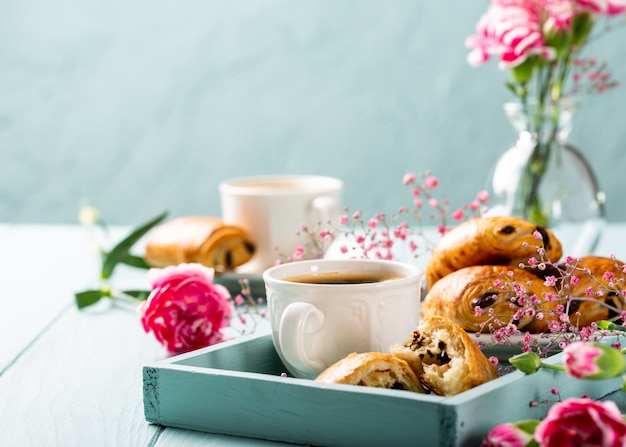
[{"x": 142, "y": 106}]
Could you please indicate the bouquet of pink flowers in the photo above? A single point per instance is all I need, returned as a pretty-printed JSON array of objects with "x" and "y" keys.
[
  {"x": 539, "y": 43},
  {"x": 539, "y": 39}
]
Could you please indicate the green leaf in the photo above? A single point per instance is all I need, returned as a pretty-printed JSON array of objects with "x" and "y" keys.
[
  {"x": 135, "y": 261},
  {"x": 610, "y": 326},
  {"x": 87, "y": 298},
  {"x": 140, "y": 295},
  {"x": 527, "y": 425},
  {"x": 523, "y": 72},
  {"x": 122, "y": 250},
  {"x": 581, "y": 27},
  {"x": 511, "y": 86}
]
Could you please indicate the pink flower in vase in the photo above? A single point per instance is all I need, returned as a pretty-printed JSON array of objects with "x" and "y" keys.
[
  {"x": 509, "y": 31},
  {"x": 608, "y": 7},
  {"x": 582, "y": 422},
  {"x": 615, "y": 7},
  {"x": 185, "y": 310}
]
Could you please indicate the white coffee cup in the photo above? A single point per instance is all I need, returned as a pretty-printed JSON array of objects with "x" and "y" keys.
[
  {"x": 273, "y": 208},
  {"x": 316, "y": 324}
]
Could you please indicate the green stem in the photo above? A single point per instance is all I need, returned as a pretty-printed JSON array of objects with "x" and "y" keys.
[
  {"x": 548, "y": 97},
  {"x": 555, "y": 367}
]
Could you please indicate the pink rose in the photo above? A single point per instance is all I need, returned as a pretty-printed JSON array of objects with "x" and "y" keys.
[
  {"x": 506, "y": 435},
  {"x": 185, "y": 310},
  {"x": 582, "y": 422},
  {"x": 511, "y": 32}
]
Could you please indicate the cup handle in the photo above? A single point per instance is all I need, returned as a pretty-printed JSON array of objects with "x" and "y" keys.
[
  {"x": 327, "y": 207},
  {"x": 297, "y": 321}
]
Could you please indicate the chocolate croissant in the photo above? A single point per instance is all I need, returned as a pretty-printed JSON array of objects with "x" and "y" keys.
[
  {"x": 457, "y": 295},
  {"x": 202, "y": 239},
  {"x": 495, "y": 240},
  {"x": 445, "y": 358},
  {"x": 374, "y": 369},
  {"x": 594, "y": 275}
]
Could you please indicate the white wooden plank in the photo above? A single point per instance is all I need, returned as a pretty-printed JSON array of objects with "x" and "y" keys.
[
  {"x": 80, "y": 383},
  {"x": 176, "y": 437},
  {"x": 41, "y": 267}
]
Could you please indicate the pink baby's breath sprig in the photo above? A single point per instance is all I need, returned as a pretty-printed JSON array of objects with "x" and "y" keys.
[
  {"x": 424, "y": 186},
  {"x": 248, "y": 312},
  {"x": 384, "y": 235},
  {"x": 590, "y": 77}
]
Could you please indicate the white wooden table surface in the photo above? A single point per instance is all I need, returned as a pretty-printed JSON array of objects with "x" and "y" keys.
[{"x": 73, "y": 378}]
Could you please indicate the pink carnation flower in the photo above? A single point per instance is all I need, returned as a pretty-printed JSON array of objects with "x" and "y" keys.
[
  {"x": 608, "y": 7},
  {"x": 511, "y": 32},
  {"x": 583, "y": 421},
  {"x": 585, "y": 360},
  {"x": 185, "y": 310},
  {"x": 579, "y": 359},
  {"x": 615, "y": 7},
  {"x": 506, "y": 435}
]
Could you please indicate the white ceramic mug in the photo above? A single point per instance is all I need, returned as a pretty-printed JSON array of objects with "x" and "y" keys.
[
  {"x": 316, "y": 324},
  {"x": 273, "y": 208}
]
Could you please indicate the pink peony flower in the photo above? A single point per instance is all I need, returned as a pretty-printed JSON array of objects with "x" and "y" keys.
[
  {"x": 509, "y": 31},
  {"x": 582, "y": 421},
  {"x": 185, "y": 310},
  {"x": 506, "y": 435}
]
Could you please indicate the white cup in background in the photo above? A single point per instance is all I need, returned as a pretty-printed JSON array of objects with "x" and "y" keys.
[
  {"x": 273, "y": 208},
  {"x": 341, "y": 306}
]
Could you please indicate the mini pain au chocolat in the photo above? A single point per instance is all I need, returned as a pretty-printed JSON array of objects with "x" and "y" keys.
[
  {"x": 457, "y": 295},
  {"x": 439, "y": 357},
  {"x": 590, "y": 271},
  {"x": 202, "y": 239},
  {"x": 497, "y": 240},
  {"x": 444, "y": 357},
  {"x": 373, "y": 369}
]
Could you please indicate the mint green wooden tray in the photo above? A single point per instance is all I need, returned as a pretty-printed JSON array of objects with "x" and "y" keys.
[{"x": 236, "y": 388}]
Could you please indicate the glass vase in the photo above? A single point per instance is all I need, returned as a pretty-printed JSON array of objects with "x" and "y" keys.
[{"x": 544, "y": 179}]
